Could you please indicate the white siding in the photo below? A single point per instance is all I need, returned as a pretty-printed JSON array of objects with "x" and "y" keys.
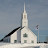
[
  {"x": 16, "y": 36},
  {"x": 13, "y": 37},
  {"x": 31, "y": 36}
]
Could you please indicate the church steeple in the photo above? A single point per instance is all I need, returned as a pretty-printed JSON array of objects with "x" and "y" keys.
[{"x": 24, "y": 18}]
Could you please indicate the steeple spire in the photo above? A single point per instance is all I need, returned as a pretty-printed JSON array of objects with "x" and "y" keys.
[
  {"x": 24, "y": 8},
  {"x": 24, "y": 18}
]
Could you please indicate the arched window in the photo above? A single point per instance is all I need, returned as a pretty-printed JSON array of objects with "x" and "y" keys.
[{"x": 25, "y": 35}]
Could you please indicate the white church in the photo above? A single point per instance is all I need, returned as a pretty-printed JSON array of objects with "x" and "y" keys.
[{"x": 21, "y": 34}]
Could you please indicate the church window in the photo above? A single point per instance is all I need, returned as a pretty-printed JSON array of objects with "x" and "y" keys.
[
  {"x": 15, "y": 41},
  {"x": 32, "y": 41},
  {"x": 25, "y": 41},
  {"x": 25, "y": 35}
]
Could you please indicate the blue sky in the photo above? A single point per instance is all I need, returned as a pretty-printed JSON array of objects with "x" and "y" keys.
[{"x": 11, "y": 12}]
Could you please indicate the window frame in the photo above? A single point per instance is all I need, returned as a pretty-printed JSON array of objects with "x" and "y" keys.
[{"x": 25, "y": 35}]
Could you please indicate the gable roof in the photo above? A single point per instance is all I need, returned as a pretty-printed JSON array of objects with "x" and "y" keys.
[{"x": 10, "y": 33}]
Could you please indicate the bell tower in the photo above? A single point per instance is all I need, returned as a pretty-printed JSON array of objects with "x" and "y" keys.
[{"x": 24, "y": 18}]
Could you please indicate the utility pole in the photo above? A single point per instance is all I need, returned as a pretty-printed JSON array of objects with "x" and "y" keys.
[
  {"x": 37, "y": 28},
  {"x": 38, "y": 34}
]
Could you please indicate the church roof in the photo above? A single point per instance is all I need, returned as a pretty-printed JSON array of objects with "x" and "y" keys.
[{"x": 11, "y": 33}]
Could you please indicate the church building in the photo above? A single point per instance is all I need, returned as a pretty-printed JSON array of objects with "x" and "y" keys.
[{"x": 21, "y": 34}]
